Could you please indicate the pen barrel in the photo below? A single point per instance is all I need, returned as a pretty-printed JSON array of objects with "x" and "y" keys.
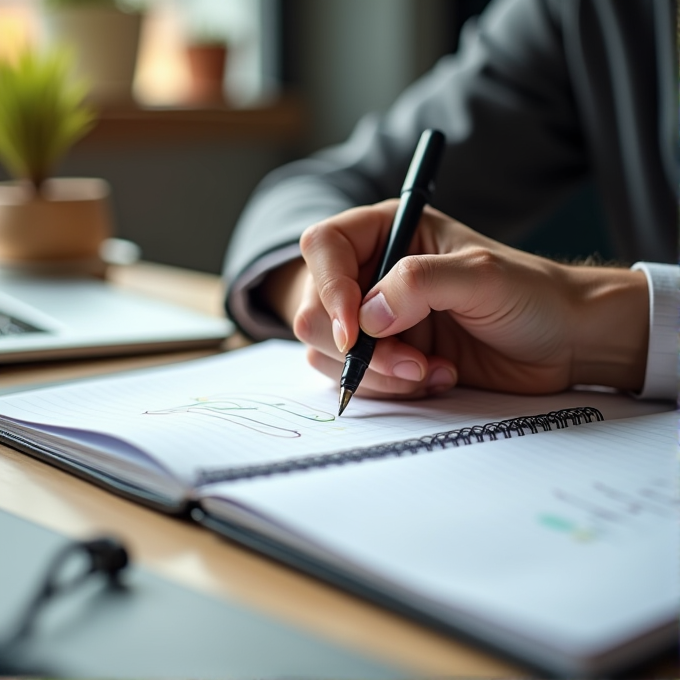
[
  {"x": 356, "y": 362},
  {"x": 425, "y": 162},
  {"x": 407, "y": 217},
  {"x": 415, "y": 193}
]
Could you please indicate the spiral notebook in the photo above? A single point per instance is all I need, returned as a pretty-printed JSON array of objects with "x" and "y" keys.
[{"x": 248, "y": 443}]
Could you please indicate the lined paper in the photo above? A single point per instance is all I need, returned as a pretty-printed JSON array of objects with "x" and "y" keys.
[
  {"x": 257, "y": 405},
  {"x": 566, "y": 538}
]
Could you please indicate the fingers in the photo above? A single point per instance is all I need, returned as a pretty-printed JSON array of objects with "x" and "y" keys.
[
  {"x": 458, "y": 299},
  {"x": 339, "y": 252},
  {"x": 343, "y": 251},
  {"x": 438, "y": 377},
  {"x": 397, "y": 369}
]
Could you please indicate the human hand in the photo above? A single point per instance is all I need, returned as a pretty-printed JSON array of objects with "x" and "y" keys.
[{"x": 464, "y": 309}]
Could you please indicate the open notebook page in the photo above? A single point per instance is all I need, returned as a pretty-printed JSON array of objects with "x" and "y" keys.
[
  {"x": 256, "y": 405},
  {"x": 557, "y": 546}
]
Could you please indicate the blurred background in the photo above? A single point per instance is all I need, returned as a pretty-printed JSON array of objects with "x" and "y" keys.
[{"x": 199, "y": 99}]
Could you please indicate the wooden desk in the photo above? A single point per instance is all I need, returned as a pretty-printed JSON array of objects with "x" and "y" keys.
[{"x": 198, "y": 558}]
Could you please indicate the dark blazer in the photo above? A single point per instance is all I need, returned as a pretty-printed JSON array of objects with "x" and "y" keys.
[{"x": 542, "y": 95}]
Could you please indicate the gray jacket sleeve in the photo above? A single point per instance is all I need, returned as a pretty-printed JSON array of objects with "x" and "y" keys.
[{"x": 516, "y": 147}]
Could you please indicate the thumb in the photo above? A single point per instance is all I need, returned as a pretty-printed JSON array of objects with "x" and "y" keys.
[
  {"x": 471, "y": 283},
  {"x": 402, "y": 298}
]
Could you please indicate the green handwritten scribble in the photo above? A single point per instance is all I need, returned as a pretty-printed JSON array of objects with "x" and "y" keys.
[
  {"x": 557, "y": 523},
  {"x": 577, "y": 533},
  {"x": 263, "y": 413}
]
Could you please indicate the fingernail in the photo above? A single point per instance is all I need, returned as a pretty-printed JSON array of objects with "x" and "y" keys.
[
  {"x": 441, "y": 379},
  {"x": 339, "y": 335},
  {"x": 408, "y": 370},
  {"x": 375, "y": 314}
]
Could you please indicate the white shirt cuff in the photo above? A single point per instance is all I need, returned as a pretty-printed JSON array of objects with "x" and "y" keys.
[{"x": 661, "y": 377}]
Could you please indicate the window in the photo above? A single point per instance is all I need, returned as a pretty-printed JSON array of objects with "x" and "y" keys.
[{"x": 248, "y": 28}]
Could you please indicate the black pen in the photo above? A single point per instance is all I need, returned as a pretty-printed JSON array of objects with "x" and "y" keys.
[{"x": 415, "y": 193}]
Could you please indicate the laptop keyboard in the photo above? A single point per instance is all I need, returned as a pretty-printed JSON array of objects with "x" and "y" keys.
[{"x": 12, "y": 326}]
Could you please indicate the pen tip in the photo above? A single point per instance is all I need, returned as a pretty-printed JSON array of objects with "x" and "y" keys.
[{"x": 345, "y": 396}]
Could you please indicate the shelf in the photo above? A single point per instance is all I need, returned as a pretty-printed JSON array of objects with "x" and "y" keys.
[{"x": 281, "y": 121}]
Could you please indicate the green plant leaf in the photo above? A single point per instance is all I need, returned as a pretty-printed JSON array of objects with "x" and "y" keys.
[{"x": 43, "y": 112}]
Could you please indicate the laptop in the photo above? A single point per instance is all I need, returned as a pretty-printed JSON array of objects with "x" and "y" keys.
[{"x": 57, "y": 317}]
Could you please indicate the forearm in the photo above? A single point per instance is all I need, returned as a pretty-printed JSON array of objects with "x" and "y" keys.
[
  {"x": 282, "y": 289},
  {"x": 247, "y": 302}
]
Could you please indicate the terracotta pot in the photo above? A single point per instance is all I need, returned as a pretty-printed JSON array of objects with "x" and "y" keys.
[
  {"x": 207, "y": 65},
  {"x": 66, "y": 223}
]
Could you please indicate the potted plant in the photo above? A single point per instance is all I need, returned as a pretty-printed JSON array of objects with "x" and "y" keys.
[
  {"x": 42, "y": 219},
  {"x": 104, "y": 35}
]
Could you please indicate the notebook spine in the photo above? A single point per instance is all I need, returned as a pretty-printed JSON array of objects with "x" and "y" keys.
[{"x": 503, "y": 429}]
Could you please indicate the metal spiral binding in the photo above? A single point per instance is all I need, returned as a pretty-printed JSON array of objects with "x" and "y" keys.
[{"x": 503, "y": 429}]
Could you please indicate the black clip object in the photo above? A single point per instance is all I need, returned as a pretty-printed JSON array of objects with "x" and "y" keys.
[{"x": 105, "y": 555}]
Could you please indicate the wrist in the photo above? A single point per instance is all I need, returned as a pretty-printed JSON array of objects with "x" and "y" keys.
[
  {"x": 610, "y": 335},
  {"x": 281, "y": 291}
]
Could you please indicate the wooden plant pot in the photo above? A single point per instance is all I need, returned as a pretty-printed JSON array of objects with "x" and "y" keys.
[{"x": 65, "y": 225}]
